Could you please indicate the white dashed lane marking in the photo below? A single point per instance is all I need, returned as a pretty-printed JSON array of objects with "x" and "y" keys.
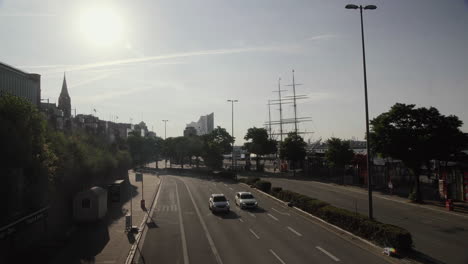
[
  {"x": 294, "y": 231},
  {"x": 282, "y": 213},
  {"x": 328, "y": 254},
  {"x": 274, "y": 218},
  {"x": 277, "y": 257},
  {"x": 253, "y": 233}
]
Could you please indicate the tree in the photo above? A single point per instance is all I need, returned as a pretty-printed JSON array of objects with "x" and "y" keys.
[
  {"x": 195, "y": 148},
  {"x": 138, "y": 151},
  {"x": 415, "y": 136},
  {"x": 293, "y": 148},
  {"x": 25, "y": 157},
  {"x": 215, "y": 144},
  {"x": 259, "y": 143},
  {"x": 181, "y": 150},
  {"x": 144, "y": 149},
  {"x": 154, "y": 145},
  {"x": 339, "y": 153}
]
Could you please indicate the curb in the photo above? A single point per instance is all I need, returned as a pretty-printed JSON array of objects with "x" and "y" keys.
[{"x": 141, "y": 228}]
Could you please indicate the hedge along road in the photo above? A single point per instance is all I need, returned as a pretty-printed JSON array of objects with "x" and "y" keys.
[
  {"x": 438, "y": 235},
  {"x": 240, "y": 236}
]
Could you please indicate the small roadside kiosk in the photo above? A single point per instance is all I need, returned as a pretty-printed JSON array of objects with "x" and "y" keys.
[
  {"x": 90, "y": 205},
  {"x": 116, "y": 191}
]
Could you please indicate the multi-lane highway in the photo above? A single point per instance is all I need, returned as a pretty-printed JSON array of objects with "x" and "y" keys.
[
  {"x": 439, "y": 235},
  {"x": 185, "y": 230}
]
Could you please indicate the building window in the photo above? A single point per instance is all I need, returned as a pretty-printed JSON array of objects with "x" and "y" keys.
[{"x": 86, "y": 203}]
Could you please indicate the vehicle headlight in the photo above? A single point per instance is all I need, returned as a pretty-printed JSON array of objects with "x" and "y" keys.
[{"x": 256, "y": 203}]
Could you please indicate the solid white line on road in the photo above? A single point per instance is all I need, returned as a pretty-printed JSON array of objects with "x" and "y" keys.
[
  {"x": 273, "y": 217},
  {"x": 280, "y": 212},
  {"x": 182, "y": 230},
  {"x": 277, "y": 257},
  {"x": 294, "y": 231},
  {"x": 225, "y": 184},
  {"x": 207, "y": 233},
  {"x": 328, "y": 253},
  {"x": 252, "y": 215},
  {"x": 240, "y": 219},
  {"x": 253, "y": 233},
  {"x": 231, "y": 189}
]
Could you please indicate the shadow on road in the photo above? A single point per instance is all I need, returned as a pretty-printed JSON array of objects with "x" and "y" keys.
[
  {"x": 230, "y": 215},
  {"x": 423, "y": 258}
]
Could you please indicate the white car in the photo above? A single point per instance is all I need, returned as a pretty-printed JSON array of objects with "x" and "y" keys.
[
  {"x": 246, "y": 200},
  {"x": 219, "y": 203}
]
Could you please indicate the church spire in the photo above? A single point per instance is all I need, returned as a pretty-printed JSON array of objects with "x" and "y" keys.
[
  {"x": 64, "y": 102},
  {"x": 64, "y": 91}
]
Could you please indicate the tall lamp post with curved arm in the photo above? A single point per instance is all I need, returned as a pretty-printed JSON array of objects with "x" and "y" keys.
[{"x": 369, "y": 178}]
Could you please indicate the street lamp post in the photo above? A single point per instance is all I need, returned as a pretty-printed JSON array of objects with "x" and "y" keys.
[
  {"x": 165, "y": 158},
  {"x": 232, "y": 101},
  {"x": 369, "y": 178}
]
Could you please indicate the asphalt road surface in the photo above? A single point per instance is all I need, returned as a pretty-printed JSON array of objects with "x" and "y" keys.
[
  {"x": 185, "y": 230},
  {"x": 439, "y": 235}
]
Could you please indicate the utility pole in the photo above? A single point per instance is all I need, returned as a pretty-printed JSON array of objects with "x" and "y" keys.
[
  {"x": 232, "y": 101},
  {"x": 165, "y": 158},
  {"x": 165, "y": 122}
]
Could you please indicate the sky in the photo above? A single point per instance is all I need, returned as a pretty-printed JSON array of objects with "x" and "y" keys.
[{"x": 179, "y": 59}]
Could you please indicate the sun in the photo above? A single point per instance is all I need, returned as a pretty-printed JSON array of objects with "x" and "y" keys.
[{"x": 102, "y": 26}]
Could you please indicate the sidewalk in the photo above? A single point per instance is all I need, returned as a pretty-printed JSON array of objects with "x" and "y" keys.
[{"x": 107, "y": 242}]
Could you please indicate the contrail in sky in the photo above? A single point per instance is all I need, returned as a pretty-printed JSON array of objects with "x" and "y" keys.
[{"x": 153, "y": 58}]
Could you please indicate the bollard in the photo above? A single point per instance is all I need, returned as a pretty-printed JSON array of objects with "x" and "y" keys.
[{"x": 449, "y": 204}]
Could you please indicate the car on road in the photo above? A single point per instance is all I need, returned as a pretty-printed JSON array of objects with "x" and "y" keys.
[
  {"x": 246, "y": 200},
  {"x": 219, "y": 203}
]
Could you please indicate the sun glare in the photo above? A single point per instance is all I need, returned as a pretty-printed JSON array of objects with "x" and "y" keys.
[{"x": 101, "y": 26}]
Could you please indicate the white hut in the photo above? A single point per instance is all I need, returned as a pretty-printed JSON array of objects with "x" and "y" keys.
[{"x": 90, "y": 205}]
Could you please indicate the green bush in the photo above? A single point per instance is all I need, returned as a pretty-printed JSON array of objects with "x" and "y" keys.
[
  {"x": 243, "y": 180},
  {"x": 263, "y": 186},
  {"x": 276, "y": 190},
  {"x": 358, "y": 224},
  {"x": 252, "y": 180}
]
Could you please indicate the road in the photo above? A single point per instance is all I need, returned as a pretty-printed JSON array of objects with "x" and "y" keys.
[
  {"x": 185, "y": 230},
  {"x": 442, "y": 236}
]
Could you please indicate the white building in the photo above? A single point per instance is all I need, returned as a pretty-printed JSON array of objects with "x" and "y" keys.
[{"x": 204, "y": 125}]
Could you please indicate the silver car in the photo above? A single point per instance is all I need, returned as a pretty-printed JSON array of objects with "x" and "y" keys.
[
  {"x": 219, "y": 203},
  {"x": 246, "y": 200}
]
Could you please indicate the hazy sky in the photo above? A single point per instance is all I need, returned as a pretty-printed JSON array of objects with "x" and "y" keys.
[{"x": 178, "y": 59}]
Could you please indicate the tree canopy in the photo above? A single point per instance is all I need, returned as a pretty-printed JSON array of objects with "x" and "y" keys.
[
  {"x": 215, "y": 144},
  {"x": 293, "y": 148},
  {"x": 259, "y": 143},
  {"x": 339, "y": 153},
  {"x": 415, "y": 136},
  {"x": 144, "y": 149}
]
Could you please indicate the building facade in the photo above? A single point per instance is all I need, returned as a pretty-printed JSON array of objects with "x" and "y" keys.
[
  {"x": 190, "y": 131},
  {"x": 204, "y": 125},
  {"x": 19, "y": 83}
]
